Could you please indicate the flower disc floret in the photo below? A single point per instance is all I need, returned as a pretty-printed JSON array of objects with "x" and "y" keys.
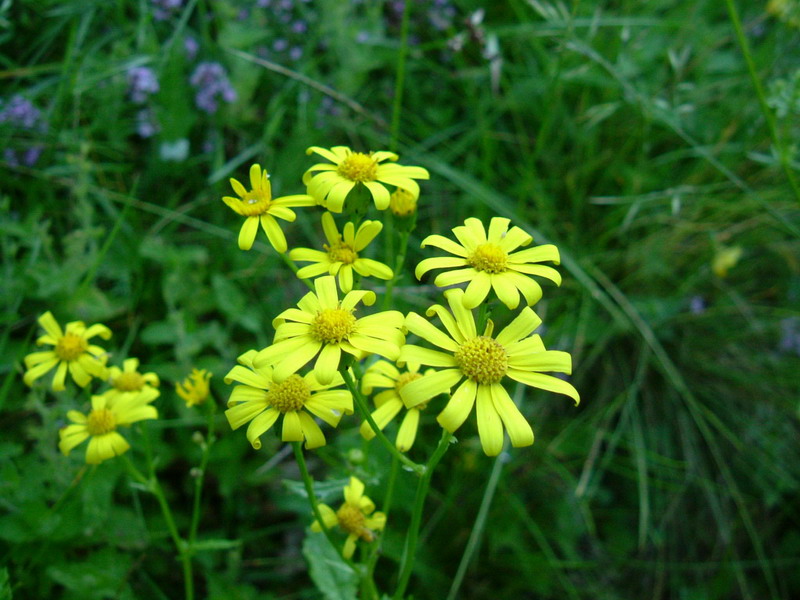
[
  {"x": 128, "y": 382},
  {"x": 341, "y": 252},
  {"x": 405, "y": 379},
  {"x": 488, "y": 257},
  {"x": 351, "y": 519},
  {"x": 333, "y": 325},
  {"x": 482, "y": 359},
  {"x": 100, "y": 421},
  {"x": 290, "y": 395},
  {"x": 358, "y": 167},
  {"x": 71, "y": 346}
]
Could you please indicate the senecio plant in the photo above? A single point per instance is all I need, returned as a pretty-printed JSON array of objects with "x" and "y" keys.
[{"x": 331, "y": 357}]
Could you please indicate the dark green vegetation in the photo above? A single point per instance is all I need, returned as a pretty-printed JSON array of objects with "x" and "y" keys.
[{"x": 628, "y": 133}]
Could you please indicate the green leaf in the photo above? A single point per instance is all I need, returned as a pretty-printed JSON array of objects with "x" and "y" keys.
[
  {"x": 332, "y": 576},
  {"x": 5, "y": 585},
  {"x": 325, "y": 491},
  {"x": 217, "y": 544}
]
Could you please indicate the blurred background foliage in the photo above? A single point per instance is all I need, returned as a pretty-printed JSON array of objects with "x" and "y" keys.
[{"x": 627, "y": 133}]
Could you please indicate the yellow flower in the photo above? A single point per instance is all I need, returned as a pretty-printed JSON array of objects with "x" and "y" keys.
[
  {"x": 332, "y": 182},
  {"x": 102, "y": 422},
  {"x": 321, "y": 326},
  {"x": 725, "y": 259},
  {"x": 128, "y": 380},
  {"x": 403, "y": 203},
  {"x": 72, "y": 351},
  {"x": 383, "y": 374},
  {"x": 262, "y": 399},
  {"x": 489, "y": 262},
  {"x": 482, "y": 363},
  {"x": 194, "y": 389},
  {"x": 258, "y": 205},
  {"x": 341, "y": 254},
  {"x": 355, "y": 517}
]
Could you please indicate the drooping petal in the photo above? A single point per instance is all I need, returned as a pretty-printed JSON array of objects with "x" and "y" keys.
[
  {"x": 79, "y": 374},
  {"x": 274, "y": 233},
  {"x": 490, "y": 427},
  {"x": 518, "y": 428},
  {"x": 545, "y": 382},
  {"x": 477, "y": 290},
  {"x": 335, "y": 198},
  {"x": 445, "y": 244},
  {"x": 366, "y": 233},
  {"x": 328, "y": 363},
  {"x": 292, "y": 429},
  {"x": 247, "y": 234},
  {"x": 59, "y": 377},
  {"x": 240, "y": 414},
  {"x": 382, "y": 416},
  {"x": 443, "y": 262},
  {"x": 366, "y": 267},
  {"x": 71, "y": 436},
  {"x": 37, "y": 371},
  {"x": 458, "y": 407},
  {"x": 408, "y": 430},
  {"x": 544, "y": 253},
  {"x": 379, "y": 193},
  {"x": 311, "y": 431},
  {"x": 550, "y": 360},
  {"x": 530, "y": 289},
  {"x": 260, "y": 425},
  {"x": 296, "y": 360},
  {"x": 97, "y": 329}
]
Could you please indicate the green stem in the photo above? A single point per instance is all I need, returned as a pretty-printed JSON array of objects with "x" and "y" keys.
[
  {"x": 312, "y": 499},
  {"x": 762, "y": 98},
  {"x": 410, "y": 550},
  {"x": 477, "y": 530},
  {"x": 198, "y": 482},
  {"x": 398, "y": 268},
  {"x": 364, "y": 410},
  {"x": 290, "y": 263},
  {"x": 153, "y": 486},
  {"x": 399, "y": 81},
  {"x": 387, "y": 505}
]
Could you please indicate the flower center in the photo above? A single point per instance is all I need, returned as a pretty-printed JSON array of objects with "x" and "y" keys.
[
  {"x": 358, "y": 167},
  {"x": 100, "y": 422},
  {"x": 333, "y": 325},
  {"x": 290, "y": 395},
  {"x": 129, "y": 381},
  {"x": 402, "y": 202},
  {"x": 255, "y": 203},
  {"x": 351, "y": 519},
  {"x": 341, "y": 252},
  {"x": 405, "y": 379},
  {"x": 489, "y": 257},
  {"x": 70, "y": 346},
  {"x": 482, "y": 359}
]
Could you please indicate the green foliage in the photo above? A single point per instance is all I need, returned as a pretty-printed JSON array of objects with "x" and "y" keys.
[{"x": 612, "y": 129}]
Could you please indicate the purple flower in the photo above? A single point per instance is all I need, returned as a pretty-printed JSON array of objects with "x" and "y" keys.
[
  {"x": 299, "y": 26},
  {"x": 280, "y": 45},
  {"x": 697, "y": 305},
  {"x": 191, "y": 47},
  {"x": 142, "y": 83},
  {"x": 164, "y": 9},
  {"x": 211, "y": 82},
  {"x": 146, "y": 123},
  {"x": 296, "y": 53},
  {"x": 21, "y": 113},
  {"x": 790, "y": 335}
]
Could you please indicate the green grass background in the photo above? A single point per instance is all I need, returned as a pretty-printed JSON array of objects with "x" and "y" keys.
[{"x": 628, "y": 133}]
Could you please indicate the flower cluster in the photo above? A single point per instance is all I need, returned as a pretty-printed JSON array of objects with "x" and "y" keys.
[
  {"x": 212, "y": 84},
  {"x": 21, "y": 115}
]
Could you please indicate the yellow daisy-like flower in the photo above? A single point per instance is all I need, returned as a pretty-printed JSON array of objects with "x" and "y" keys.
[
  {"x": 262, "y": 399},
  {"x": 341, "y": 254},
  {"x": 403, "y": 203},
  {"x": 194, "y": 389},
  {"x": 489, "y": 262},
  {"x": 102, "y": 422},
  {"x": 481, "y": 363},
  {"x": 383, "y": 374},
  {"x": 355, "y": 517},
  {"x": 258, "y": 205},
  {"x": 322, "y": 326},
  {"x": 72, "y": 351},
  {"x": 128, "y": 380},
  {"x": 330, "y": 183}
]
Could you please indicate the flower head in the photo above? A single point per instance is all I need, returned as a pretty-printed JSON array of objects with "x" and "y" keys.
[
  {"x": 102, "y": 422},
  {"x": 127, "y": 380},
  {"x": 355, "y": 517},
  {"x": 322, "y": 326},
  {"x": 258, "y": 205},
  {"x": 403, "y": 203},
  {"x": 261, "y": 400},
  {"x": 383, "y": 374},
  {"x": 480, "y": 363},
  {"x": 489, "y": 262},
  {"x": 330, "y": 183},
  {"x": 194, "y": 389},
  {"x": 142, "y": 83},
  {"x": 71, "y": 352},
  {"x": 211, "y": 82},
  {"x": 341, "y": 255}
]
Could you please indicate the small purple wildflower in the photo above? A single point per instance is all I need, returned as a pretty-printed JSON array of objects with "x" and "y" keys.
[
  {"x": 146, "y": 124},
  {"x": 697, "y": 305},
  {"x": 299, "y": 26},
  {"x": 164, "y": 9},
  {"x": 790, "y": 335},
  {"x": 280, "y": 45},
  {"x": 211, "y": 82},
  {"x": 191, "y": 47},
  {"x": 295, "y": 53},
  {"x": 21, "y": 113},
  {"x": 142, "y": 83}
]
